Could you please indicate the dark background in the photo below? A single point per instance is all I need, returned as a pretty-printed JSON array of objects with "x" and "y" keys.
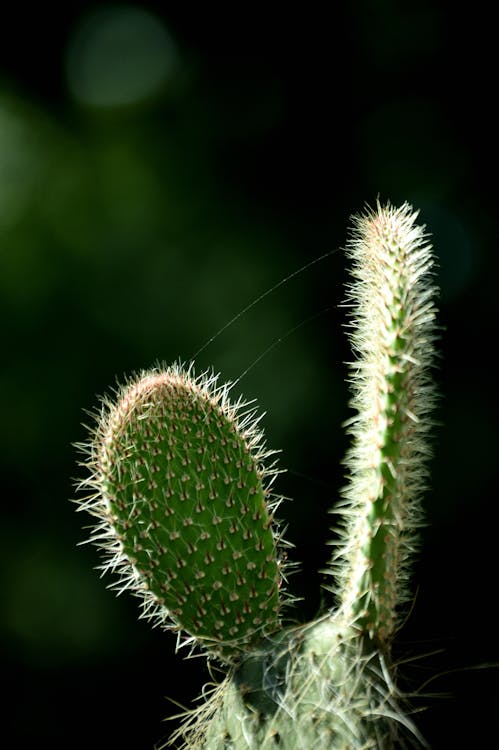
[{"x": 133, "y": 230}]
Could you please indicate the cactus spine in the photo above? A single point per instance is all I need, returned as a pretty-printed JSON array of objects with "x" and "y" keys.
[{"x": 180, "y": 486}]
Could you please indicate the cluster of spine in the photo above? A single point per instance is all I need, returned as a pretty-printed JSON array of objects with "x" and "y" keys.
[
  {"x": 185, "y": 517},
  {"x": 180, "y": 486}
]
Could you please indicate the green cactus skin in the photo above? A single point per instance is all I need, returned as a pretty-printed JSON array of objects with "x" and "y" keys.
[{"x": 181, "y": 494}]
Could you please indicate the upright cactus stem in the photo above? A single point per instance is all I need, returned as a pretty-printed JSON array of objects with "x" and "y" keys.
[
  {"x": 180, "y": 486},
  {"x": 393, "y": 324}
]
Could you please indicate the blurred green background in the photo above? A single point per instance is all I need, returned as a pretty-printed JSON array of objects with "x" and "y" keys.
[{"x": 161, "y": 167}]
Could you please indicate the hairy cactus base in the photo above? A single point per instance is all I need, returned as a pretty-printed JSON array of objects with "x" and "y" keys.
[{"x": 308, "y": 688}]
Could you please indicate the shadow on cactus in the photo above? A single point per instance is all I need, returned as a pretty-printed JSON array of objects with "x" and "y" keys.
[{"x": 179, "y": 481}]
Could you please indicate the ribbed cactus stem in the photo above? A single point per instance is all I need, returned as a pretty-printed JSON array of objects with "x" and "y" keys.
[{"x": 392, "y": 295}]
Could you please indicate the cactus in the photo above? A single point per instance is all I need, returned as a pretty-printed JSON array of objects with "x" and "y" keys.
[
  {"x": 180, "y": 484},
  {"x": 184, "y": 508}
]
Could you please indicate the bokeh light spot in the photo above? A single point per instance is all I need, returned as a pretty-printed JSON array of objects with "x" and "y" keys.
[{"x": 119, "y": 56}]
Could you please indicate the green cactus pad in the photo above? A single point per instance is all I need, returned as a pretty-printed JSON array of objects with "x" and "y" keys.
[{"x": 182, "y": 498}]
